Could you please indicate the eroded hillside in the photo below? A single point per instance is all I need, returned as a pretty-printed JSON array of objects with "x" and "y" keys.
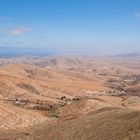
[{"x": 62, "y": 97}]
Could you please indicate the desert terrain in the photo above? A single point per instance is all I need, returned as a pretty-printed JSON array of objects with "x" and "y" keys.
[{"x": 70, "y": 98}]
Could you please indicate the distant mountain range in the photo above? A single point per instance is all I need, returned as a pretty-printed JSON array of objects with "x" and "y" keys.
[{"x": 128, "y": 55}]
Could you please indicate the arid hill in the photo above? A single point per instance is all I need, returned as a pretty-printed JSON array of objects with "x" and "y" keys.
[{"x": 70, "y": 97}]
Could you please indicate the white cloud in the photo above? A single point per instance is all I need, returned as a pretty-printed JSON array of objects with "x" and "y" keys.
[
  {"x": 137, "y": 14},
  {"x": 19, "y": 30}
]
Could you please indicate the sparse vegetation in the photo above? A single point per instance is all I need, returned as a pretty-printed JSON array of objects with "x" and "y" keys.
[{"x": 28, "y": 87}]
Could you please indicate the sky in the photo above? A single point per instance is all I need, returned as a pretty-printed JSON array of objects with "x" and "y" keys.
[{"x": 70, "y": 26}]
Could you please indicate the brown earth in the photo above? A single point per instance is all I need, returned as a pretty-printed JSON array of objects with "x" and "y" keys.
[{"x": 70, "y": 98}]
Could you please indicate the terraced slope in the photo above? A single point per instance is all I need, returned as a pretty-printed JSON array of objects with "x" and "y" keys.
[{"x": 104, "y": 124}]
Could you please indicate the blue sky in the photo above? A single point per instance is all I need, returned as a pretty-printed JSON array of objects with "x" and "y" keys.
[{"x": 71, "y": 26}]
